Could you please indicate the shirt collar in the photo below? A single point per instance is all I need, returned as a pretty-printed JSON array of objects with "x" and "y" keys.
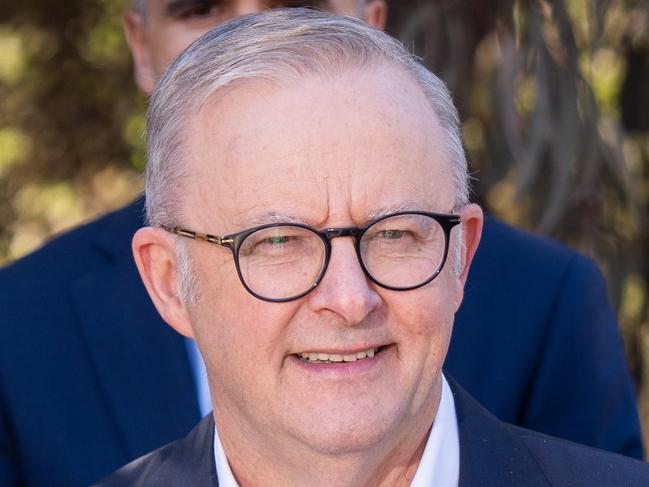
[
  {"x": 223, "y": 472},
  {"x": 440, "y": 462}
]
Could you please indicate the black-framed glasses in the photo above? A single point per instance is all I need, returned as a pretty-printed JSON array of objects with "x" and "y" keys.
[{"x": 281, "y": 262}]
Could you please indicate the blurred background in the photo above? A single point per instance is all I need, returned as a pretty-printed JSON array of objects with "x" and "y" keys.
[{"x": 554, "y": 98}]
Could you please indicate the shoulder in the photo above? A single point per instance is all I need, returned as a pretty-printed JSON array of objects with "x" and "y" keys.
[
  {"x": 188, "y": 461},
  {"x": 36, "y": 292},
  {"x": 107, "y": 236},
  {"x": 508, "y": 455},
  {"x": 507, "y": 246},
  {"x": 74, "y": 253},
  {"x": 539, "y": 279},
  {"x": 521, "y": 283},
  {"x": 529, "y": 275},
  {"x": 567, "y": 463}
]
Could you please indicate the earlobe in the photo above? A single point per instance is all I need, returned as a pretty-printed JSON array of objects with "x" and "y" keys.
[
  {"x": 134, "y": 29},
  {"x": 472, "y": 221},
  {"x": 375, "y": 13},
  {"x": 155, "y": 257}
]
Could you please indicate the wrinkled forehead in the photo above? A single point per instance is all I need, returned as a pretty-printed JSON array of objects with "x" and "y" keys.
[{"x": 358, "y": 140}]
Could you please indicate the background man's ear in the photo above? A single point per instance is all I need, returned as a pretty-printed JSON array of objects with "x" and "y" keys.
[
  {"x": 135, "y": 30},
  {"x": 155, "y": 256},
  {"x": 375, "y": 13}
]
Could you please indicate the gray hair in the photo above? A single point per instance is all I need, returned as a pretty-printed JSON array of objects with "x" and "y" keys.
[
  {"x": 276, "y": 46},
  {"x": 187, "y": 284}
]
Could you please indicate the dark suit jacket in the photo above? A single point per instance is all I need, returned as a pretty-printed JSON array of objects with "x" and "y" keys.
[
  {"x": 91, "y": 378},
  {"x": 492, "y": 453}
]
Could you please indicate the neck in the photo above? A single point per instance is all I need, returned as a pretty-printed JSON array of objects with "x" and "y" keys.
[{"x": 277, "y": 460}]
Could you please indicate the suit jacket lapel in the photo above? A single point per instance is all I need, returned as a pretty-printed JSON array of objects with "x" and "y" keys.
[
  {"x": 141, "y": 363},
  {"x": 191, "y": 460},
  {"x": 490, "y": 453}
]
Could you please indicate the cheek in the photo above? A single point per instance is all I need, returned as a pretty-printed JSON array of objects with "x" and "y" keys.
[
  {"x": 431, "y": 324},
  {"x": 232, "y": 325},
  {"x": 423, "y": 325},
  {"x": 429, "y": 311},
  {"x": 243, "y": 344}
]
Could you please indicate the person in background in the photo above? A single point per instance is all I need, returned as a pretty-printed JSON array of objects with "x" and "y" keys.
[{"x": 91, "y": 378}]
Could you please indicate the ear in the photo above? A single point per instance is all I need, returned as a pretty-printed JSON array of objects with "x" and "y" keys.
[
  {"x": 375, "y": 13},
  {"x": 135, "y": 31},
  {"x": 472, "y": 220},
  {"x": 155, "y": 256}
]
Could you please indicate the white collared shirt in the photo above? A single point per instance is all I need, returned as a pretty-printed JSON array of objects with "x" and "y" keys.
[{"x": 440, "y": 462}]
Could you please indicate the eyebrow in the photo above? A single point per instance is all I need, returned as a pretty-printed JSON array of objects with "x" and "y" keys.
[
  {"x": 274, "y": 217},
  {"x": 383, "y": 211}
]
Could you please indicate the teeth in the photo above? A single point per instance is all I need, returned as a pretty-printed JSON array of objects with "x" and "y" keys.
[{"x": 328, "y": 358}]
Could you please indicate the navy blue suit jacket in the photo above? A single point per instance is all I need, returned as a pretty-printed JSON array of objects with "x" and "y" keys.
[
  {"x": 492, "y": 453},
  {"x": 91, "y": 378}
]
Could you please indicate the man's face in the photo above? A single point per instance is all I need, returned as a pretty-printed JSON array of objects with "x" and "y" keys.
[
  {"x": 328, "y": 152},
  {"x": 170, "y": 26}
]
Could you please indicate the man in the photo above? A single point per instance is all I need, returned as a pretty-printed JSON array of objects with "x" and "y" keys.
[
  {"x": 91, "y": 378},
  {"x": 310, "y": 227}
]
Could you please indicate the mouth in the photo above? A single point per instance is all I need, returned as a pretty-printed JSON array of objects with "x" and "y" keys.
[{"x": 333, "y": 358}]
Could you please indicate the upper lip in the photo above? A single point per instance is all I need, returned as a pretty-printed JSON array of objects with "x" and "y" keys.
[{"x": 340, "y": 351}]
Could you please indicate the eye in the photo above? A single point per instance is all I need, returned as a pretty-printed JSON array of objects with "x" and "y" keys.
[
  {"x": 197, "y": 9},
  {"x": 318, "y": 4},
  {"x": 391, "y": 234},
  {"x": 277, "y": 240},
  {"x": 273, "y": 242}
]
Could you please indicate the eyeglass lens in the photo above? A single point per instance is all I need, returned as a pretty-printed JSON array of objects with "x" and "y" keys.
[
  {"x": 280, "y": 262},
  {"x": 404, "y": 250},
  {"x": 400, "y": 251}
]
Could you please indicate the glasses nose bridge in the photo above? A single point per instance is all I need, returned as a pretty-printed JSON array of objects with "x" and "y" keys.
[
  {"x": 331, "y": 233},
  {"x": 328, "y": 234}
]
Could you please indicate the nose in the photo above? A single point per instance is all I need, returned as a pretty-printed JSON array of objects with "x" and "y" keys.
[{"x": 344, "y": 289}]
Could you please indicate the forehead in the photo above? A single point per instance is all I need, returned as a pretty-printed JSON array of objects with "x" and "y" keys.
[{"x": 323, "y": 148}]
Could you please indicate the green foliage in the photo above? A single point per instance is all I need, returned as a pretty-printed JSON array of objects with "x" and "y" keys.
[
  {"x": 12, "y": 57},
  {"x": 66, "y": 91}
]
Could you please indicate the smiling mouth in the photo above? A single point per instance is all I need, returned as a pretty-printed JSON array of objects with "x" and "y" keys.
[{"x": 333, "y": 358}]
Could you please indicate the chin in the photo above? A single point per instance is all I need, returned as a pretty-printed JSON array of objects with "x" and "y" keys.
[{"x": 337, "y": 431}]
